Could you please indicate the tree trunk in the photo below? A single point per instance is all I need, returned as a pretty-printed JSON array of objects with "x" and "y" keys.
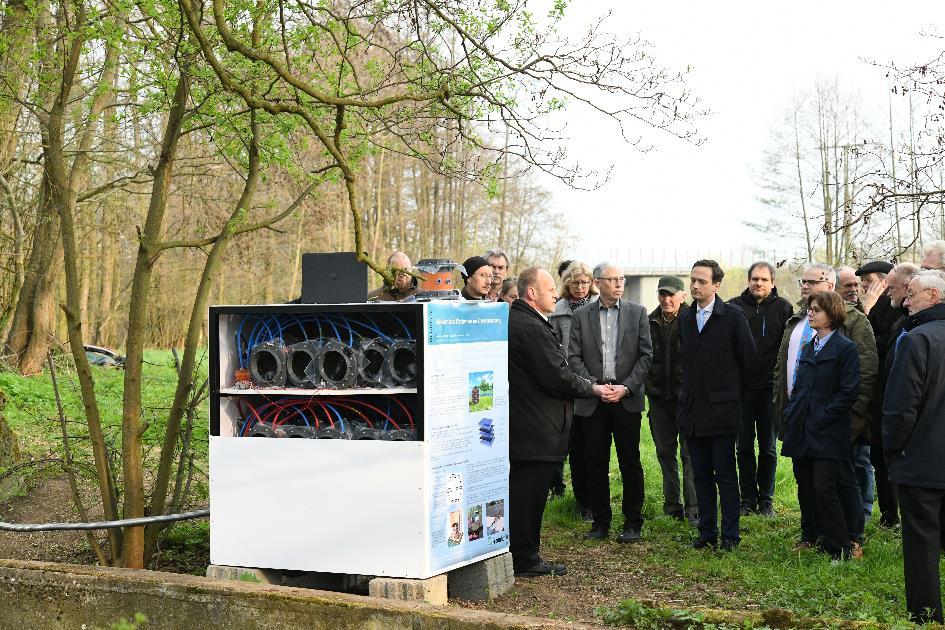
[
  {"x": 185, "y": 383},
  {"x": 148, "y": 251}
]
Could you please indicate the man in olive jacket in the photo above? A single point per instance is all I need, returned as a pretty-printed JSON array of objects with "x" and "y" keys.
[
  {"x": 662, "y": 391},
  {"x": 822, "y": 277},
  {"x": 541, "y": 390}
]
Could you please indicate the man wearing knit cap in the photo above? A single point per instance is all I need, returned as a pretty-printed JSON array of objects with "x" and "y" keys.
[{"x": 477, "y": 276}]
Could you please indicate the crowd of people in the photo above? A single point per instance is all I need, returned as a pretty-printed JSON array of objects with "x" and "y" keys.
[{"x": 850, "y": 380}]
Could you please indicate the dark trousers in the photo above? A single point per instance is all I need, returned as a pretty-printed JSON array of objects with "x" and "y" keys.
[
  {"x": 923, "y": 538},
  {"x": 848, "y": 494},
  {"x": 756, "y": 477},
  {"x": 713, "y": 465},
  {"x": 666, "y": 436},
  {"x": 831, "y": 486},
  {"x": 577, "y": 462},
  {"x": 611, "y": 420},
  {"x": 885, "y": 489},
  {"x": 529, "y": 483}
]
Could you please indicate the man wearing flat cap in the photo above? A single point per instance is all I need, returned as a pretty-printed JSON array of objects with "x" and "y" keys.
[
  {"x": 883, "y": 318},
  {"x": 662, "y": 391},
  {"x": 477, "y": 276}
]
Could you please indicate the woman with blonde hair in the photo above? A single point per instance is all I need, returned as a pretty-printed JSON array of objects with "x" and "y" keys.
[{"x": 577, "y": 289}]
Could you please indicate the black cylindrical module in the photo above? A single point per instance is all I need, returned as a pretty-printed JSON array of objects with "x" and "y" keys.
[
  {"x": 337, "y": 365},
  {"x": 401, "y": 362},
  {"x": 267, "y": 364},
  {"x": 301, "y": 364},
  {"x": 371, "y": 362}
]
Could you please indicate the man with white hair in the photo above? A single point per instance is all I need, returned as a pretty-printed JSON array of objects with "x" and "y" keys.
[
  {"x": 933, "y": 255},
  {"x": 914, "y": 440},
  {"x": 797, "y": 334}
]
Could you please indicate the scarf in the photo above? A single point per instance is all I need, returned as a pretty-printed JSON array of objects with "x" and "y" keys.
[{"x": 577, "y": 303}]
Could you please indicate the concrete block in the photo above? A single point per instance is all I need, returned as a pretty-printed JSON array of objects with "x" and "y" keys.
[
  {"x": 243, "y": 574},
  {"x": 432, "y": 590},
  {"x": 483, "y": 580}
]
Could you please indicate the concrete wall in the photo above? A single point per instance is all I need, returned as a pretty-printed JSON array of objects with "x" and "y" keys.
[{"x": 53, "y": 596}]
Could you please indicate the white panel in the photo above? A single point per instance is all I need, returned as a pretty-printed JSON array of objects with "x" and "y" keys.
[{"x": 318, "y": 505}]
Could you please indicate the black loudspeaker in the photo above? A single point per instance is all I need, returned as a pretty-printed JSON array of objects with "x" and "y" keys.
[{"x": 335, "y": 278}]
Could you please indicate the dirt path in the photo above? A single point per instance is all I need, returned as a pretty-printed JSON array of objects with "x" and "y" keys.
[{"x": 47, "y": 500}]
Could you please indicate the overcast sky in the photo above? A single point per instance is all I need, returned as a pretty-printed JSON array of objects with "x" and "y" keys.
[{"x": 748, "y": 59}]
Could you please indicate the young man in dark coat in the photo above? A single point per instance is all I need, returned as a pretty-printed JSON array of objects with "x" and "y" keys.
[
  {"x": 541, "y": 390},
  {"x": 767, "y": 313},
  {"x": 914, "y": 440},
  {"x": 717, "y": 357}
]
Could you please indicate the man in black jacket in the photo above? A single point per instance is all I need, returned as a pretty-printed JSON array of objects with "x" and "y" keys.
[
  {"x": 541, "y": 390},
  {"x": 767, "y": 313},
  {"x": 718, "y": 354},
  {"x": 914, "y": 440},
  {"x": 662, "y": 391}
]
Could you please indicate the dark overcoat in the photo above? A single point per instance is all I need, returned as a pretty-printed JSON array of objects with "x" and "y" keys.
[
  {"x": 914, "y": 409},
  {"x": 541, "y": 388},
  {"x": 716, "y": 370},
  {"x": 817, "y": 419}
]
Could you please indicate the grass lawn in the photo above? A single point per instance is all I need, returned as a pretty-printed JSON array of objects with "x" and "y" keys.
[{"x": 763, "y": 573}]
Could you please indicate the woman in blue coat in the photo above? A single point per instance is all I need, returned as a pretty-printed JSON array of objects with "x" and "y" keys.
[{"x": 818, "y": 424}]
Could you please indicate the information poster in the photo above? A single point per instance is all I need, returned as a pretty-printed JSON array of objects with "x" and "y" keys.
[{"x": 466, "y": 426}]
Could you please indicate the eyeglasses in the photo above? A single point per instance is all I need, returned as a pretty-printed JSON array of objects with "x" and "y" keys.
[
  {"x": 617, "y": 280},
  {"x": 911, "y": 294},
  {"x": 813, "y": 310},
  {"x": 809, "y": 283},
  {"x": 581, "y": 283}
]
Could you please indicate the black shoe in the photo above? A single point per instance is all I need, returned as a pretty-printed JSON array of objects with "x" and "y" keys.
[
  {"x": 542, "y": 568},
  {"x": 679, "y": 516},
  {"x": 747, "y": 510},
  {"x": 729, "y": 544},
  {"x": 629, "y": 535},
  {"x": 767, "y": 511},
  {"x": 889, "y": 523},
  {"x": 598, "y": 532},
  {"x": 703, "y": 543}
]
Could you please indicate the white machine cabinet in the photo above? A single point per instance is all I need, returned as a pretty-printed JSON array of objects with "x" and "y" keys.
[{"x": 411, "y": 502}]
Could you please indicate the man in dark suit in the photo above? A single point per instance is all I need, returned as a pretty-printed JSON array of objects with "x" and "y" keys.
[
  {"x": 541, "y": 390},
  {"x": 914, "y": 440},
  {"x": 717, "y": 352},
  {"x": 610, "y": 344}
]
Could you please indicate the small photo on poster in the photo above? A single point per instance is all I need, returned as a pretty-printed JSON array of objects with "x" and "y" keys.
[
  {"x": 454, "y": 529},
  {"x": 480, "y": 391},
  {"x": 495, "y": 517},
  {"x": 474, "y": 523}
]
